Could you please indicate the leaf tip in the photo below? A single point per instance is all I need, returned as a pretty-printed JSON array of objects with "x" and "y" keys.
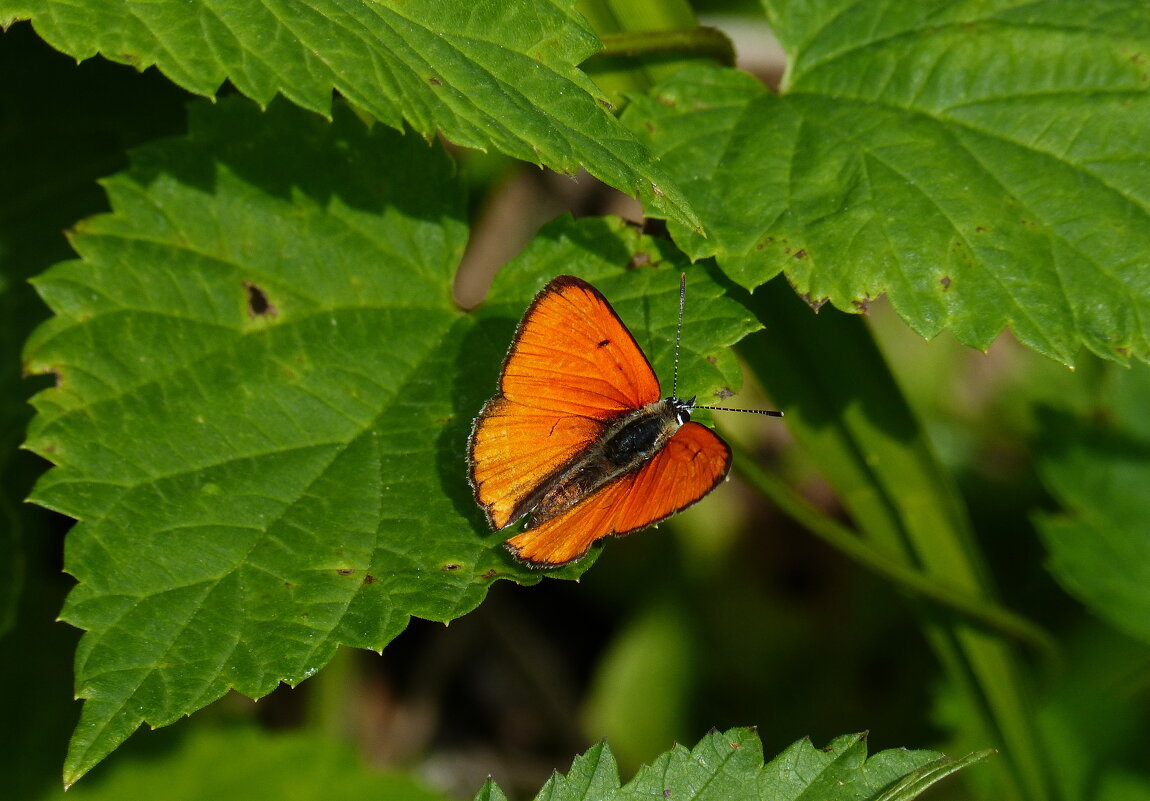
[{"x": 814, "y": 303}]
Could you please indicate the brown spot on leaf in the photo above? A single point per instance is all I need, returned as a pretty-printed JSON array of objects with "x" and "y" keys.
[
  {"x": 345, "y": 571},
  {"x": 435, "y": 82},
  {"x": 863, "y": 305},
  {"x": 800, "y": 254},
  {"x": 639, "y": 260},
  {"x": 452, "y": 566},
  {"x": 945, "y": 281},
  {"x": 490, "y": 574},
  {"x": 978, "y": 229},
  {"x": 369, "y": 579}
]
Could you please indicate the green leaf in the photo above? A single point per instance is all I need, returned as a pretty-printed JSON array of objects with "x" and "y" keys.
[
  {"x": 492, "y": 74},
  {"x": 285, "y": 766},
  {"x": 1099, "y": 472},
  {"x": 263, "y": 394},
  {"x": 913, "y": 784},
  {"x": 984, "y": 164},
  {"x": 729, "y": 764}
]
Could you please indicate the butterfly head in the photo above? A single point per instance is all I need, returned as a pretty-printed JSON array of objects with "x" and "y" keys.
[{"x": 681, "y": 408}]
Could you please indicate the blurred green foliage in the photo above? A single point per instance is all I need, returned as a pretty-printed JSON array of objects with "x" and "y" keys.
[{"x": 730, "y": 615}]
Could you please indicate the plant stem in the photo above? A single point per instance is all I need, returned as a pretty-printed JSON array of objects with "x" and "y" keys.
[
  {"x": 851, "y": 545},
  {"x": 707, "y": 42}
]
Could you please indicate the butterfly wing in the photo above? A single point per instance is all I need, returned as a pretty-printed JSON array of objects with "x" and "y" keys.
[
  {"x": 690, "y": 465},
  {"x": 572, "y": 366}
]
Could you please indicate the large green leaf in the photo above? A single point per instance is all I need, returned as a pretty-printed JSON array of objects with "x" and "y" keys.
[
  {"x": 985, "y": 164},
  {"x": 1100, "y": 471},
  {"x": 726, "y": 765},
  {"x": 498, "y": 74},
  {"x": 263, "y": 394}
]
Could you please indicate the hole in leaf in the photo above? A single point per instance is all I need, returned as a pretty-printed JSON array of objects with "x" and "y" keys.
[{"x": 258, "y": 303}]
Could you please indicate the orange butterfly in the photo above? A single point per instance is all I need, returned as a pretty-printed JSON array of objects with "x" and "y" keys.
[{"x": 578, "y": 437}]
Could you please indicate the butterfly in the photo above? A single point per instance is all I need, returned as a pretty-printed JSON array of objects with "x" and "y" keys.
[{"x": 579, "y": 440}]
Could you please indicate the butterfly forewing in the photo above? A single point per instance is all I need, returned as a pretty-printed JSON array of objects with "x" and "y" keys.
[
  {"x": 572, "y": 367},
  {"x": 573, "y": 355}
]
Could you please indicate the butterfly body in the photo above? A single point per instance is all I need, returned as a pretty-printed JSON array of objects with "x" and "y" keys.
[
  {"x": 625, "y": 445},
  {"x": 579, "y": 440}
]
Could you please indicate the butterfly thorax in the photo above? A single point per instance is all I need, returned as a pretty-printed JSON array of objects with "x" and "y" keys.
[{"x": 625, "y": 445}]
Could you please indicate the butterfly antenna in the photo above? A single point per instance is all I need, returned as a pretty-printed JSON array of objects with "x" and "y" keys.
[
  {"x": 675, "y": 380},
  {"x": 767, "y": 412},
  {"x": 679, "y": 333}
]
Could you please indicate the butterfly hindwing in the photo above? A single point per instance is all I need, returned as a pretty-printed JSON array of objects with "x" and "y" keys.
[
  {"x": 515, "y": 448},
  {"x": 691, "y": 464},
  {"x": 572, "y": 367}
]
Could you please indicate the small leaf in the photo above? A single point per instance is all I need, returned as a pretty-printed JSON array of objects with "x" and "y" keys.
[
  {"x": 1099, "y": 471},
  {"x": 500, "y": 75},
  {"x": 984, "y": 164},
  {"x": 726, "y": 765}
]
